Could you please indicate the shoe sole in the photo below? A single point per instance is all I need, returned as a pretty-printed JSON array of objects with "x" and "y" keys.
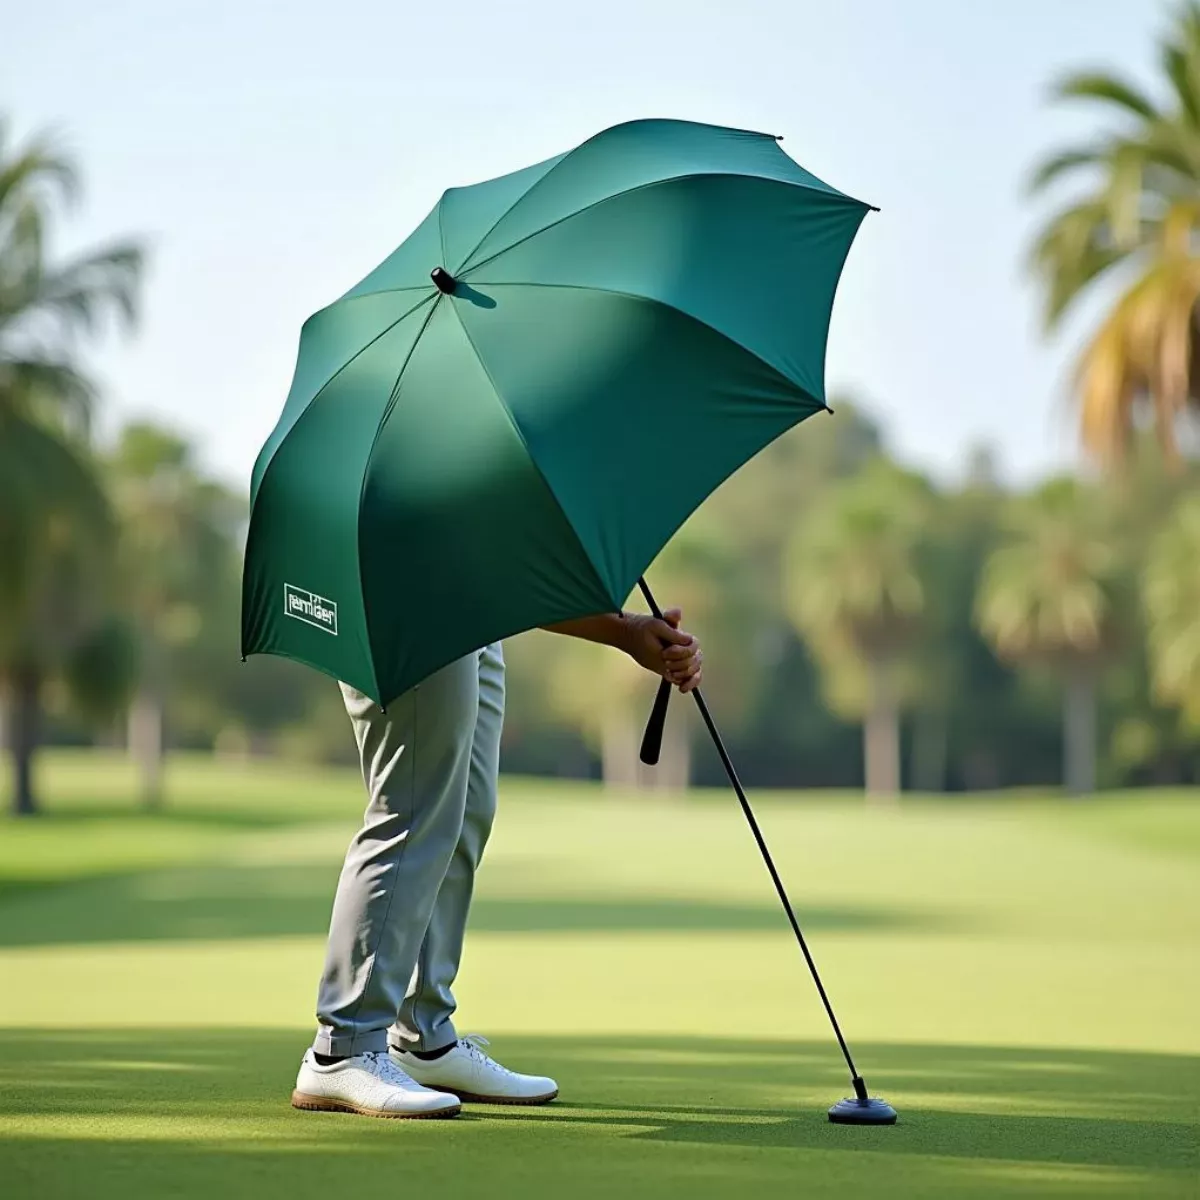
[
  {"x": 474, "y": 1098},
  {"x": 310, "y": 1103}
]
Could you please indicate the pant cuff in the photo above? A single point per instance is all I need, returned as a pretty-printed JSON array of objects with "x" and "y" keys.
[
  {"x": 404, "y": 1037},
  {"x": 342, "y": 1044}
]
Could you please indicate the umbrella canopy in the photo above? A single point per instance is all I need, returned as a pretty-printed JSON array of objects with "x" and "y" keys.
[{"x": 505, "y": 421}]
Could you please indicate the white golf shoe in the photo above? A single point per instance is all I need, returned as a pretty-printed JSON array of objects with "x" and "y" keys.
[
  {"x": 371, "y": 1085},
  {"x": 470, "y": 1074}
]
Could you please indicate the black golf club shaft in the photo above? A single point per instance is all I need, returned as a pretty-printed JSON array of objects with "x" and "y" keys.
[{"x": 860, "y": 1088}]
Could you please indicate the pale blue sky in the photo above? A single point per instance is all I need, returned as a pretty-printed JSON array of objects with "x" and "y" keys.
[{"x": 274, "y": 152}]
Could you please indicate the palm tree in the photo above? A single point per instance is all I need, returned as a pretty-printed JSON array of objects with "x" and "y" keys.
[
  {"x": 1137, "y": 221},
  {"x": 55, "y": 537},
  {"x": 1049, "y": 594},
  {"x": 855, "y": 591},
  {"x": 177, "y": 530},
  {"x": 1171, "y": 595},
  {"x": 55, "y": 531}
]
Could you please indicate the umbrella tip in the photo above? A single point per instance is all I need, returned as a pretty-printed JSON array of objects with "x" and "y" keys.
[{"x": 443, "y": 280}]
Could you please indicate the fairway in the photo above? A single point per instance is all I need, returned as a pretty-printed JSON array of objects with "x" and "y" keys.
[{"x": 1017, "y": 974}]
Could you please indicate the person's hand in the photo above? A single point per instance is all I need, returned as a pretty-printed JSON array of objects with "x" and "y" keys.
[{"x": 663, "y": 648}]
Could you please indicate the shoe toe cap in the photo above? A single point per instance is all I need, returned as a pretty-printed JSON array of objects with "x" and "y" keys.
[{"x": 422, "y": 1101}]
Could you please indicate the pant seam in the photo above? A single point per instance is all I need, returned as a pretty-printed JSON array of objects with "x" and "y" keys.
[
  {"x": 387, "y": 912},
  {"x": 422, "y": 960},
  {"x": 421, "y": 1000}
]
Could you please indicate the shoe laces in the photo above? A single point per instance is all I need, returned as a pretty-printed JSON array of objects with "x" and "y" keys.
[
  {"x": 384, "y": 1067},
  {"x": 473, "y": 1044}
]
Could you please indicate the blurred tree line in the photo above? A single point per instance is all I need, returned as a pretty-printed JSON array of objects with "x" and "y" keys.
[{"x": 863, "y": 624}]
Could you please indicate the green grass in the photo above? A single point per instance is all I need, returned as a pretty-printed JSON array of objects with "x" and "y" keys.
[{"x": 1019, "y": 976}]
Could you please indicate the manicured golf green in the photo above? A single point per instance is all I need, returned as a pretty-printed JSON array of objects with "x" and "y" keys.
[{"x": 1019, "y": 975}]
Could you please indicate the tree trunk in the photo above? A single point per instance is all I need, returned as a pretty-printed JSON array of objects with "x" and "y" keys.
[
  {"x": 24, "y": 732},
  {"x": 929, "y": 751},
  {"x": 619, "y": 749},
  {"x": 881, "y": 734},
  {"x": 146, "y": 744},
  {"x": 1079, "y": 730},
  {"x": 981, "y": 771},
  {"x": 674, "y": 769}
]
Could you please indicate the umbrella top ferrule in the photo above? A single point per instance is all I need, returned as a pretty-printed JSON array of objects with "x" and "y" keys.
[{"x": 443, "y": 280}]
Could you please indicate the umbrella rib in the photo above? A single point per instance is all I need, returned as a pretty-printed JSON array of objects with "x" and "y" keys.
[
  {"x": 529, "y": 192},
  {"x": 512, "y": 420},
  {"x": 317, "y": 394},
  {"x": 362, "y": 487},
  {"x": 574, "y": 213},
  {"x": 581, "y": 287},
  {"x": 394, "y": 395},
  {"x": 469, "y": 266},
  {"x": 363, "y": 349}
]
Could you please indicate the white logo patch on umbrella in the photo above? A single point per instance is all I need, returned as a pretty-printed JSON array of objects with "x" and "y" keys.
[{"x": 310, "y": 608}]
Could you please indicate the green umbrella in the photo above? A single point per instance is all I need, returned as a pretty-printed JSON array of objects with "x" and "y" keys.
[{"x": 503, "y": 423}]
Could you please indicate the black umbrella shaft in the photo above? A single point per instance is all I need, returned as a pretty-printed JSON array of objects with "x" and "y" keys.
[{"x": 736, "y": 783}]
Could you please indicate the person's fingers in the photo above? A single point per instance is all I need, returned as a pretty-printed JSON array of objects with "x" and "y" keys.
[
  {"x": 681, "y": 672},
  {"x": 676, "y": 661},
  {"x": 669, "y": 634},
  {"x": 690, "y": 685},
  {"x": 673, "y": 616},
  {"x": 680, "y": 653}
]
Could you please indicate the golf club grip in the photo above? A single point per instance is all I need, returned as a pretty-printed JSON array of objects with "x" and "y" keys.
[{"x": 652, "y": 738}]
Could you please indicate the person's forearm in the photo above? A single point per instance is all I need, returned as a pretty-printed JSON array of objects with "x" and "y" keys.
[
  {"x": 609, "y": 629},
  {"x": 656, "y": 643}
]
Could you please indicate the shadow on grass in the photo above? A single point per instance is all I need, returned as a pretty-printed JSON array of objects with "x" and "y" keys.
[
  {"x": 75, "y": 820},
  {"x": 107, "y": 1113},
  {"x": 264, "y": 901}
]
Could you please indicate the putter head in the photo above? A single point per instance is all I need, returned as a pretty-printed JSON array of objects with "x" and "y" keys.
[{"x": 868, "y": 1111}]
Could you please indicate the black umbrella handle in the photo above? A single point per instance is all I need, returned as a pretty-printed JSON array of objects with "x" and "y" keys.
[{"x": 652, "y": 738}]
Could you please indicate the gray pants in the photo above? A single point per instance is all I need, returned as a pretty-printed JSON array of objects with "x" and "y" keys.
[{"x": 430, "y": 764}]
